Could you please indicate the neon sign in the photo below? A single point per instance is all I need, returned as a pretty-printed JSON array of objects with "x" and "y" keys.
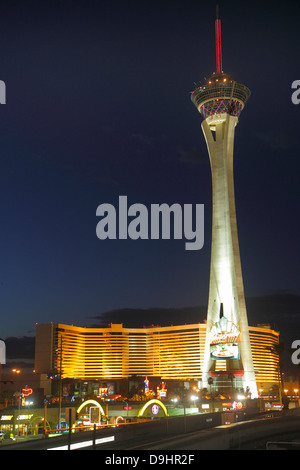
[
  {"x": 162, "y": 391},
  {"x": 119, "y": 420},
  {"x": 223, "y": 331},
  {"x": 27, "y": 391},
  {"x": 102, "y": 391},
  {"x": 151, "y": 403},
  {"x": 90, "y": 402},
  {"x": 224, "y": 351}
]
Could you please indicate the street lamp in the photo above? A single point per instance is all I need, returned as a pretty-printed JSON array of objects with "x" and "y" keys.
[
  {"x": 194, "y": 398},
  {"x": 126, "y": 408}
]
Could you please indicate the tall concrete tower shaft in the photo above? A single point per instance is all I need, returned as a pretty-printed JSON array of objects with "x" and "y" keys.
[{"x": 220, "y": 102}]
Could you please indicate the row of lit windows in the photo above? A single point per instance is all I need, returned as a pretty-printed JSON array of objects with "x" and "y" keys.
[
  {"x": 111, "y": 351},
  {"x": 174, "y": 352},
  {"x": 265, "y": 360}
]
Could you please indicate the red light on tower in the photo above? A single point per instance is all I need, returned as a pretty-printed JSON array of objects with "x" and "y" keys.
[{"x": 218, "y": 43}]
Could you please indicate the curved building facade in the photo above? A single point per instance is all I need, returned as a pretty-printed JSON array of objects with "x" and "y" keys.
[{"x": 169, "y": 352}]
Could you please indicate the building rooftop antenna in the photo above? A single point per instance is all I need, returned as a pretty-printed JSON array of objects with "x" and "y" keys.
[{"x": 218, "y": 42}]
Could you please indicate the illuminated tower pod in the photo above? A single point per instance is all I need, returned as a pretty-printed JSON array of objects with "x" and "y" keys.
[{"x": 220, "y": 102}]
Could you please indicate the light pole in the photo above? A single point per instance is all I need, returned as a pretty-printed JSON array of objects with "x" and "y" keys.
[
  {"x": 21, "y": 396},
  {"x": 60, "y": 384},
  {"x": 126, "y": 408},
  {"x": 210, "y": 382},
  {"x": 45, "y": 415}
]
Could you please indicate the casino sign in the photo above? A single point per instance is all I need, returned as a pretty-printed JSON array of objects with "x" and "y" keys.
[{"x": 224, "y": 337}]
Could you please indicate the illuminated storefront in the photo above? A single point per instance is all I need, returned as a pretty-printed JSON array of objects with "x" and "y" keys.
[
  {"x": 26, "y": 421},
  {"x": 173, "y": 352}
]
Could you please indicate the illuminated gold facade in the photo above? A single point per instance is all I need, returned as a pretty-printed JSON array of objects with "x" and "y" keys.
[
  {"x": 173, "y": 352},
  {"x": 266, "y": 362}
]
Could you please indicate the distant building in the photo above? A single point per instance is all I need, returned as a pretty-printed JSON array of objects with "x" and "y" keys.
[{"x": 32, "y": 387}]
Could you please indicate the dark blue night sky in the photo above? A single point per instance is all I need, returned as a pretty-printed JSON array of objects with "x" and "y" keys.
[{"x": 98, "y": 106}]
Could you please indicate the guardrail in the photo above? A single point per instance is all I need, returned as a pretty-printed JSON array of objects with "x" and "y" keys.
[
  {"x": 282, "y": 445},
  {"x": 243, "y": 429}
]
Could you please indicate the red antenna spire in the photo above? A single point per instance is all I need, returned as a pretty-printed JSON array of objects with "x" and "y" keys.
[{"x": 218, "y": 42}]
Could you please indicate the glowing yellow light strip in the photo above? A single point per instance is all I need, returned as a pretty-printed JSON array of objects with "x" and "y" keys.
[
  {"x": 92, "y": 402},
  {"x": 151, "y": 402}
]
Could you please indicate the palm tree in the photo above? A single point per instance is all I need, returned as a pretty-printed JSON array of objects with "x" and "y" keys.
[
  {"x": 277, "y": 350},
  {"x": 210, "y": 381}
]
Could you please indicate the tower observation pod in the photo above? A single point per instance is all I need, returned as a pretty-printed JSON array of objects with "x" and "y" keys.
[{"x": 228, "y": 355}]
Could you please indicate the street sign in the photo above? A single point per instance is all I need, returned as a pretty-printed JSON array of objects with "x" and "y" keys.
[{"x": 95, "y": 415}]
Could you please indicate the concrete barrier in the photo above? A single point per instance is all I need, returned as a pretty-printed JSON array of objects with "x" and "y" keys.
[{"x": 192, "y": 432}]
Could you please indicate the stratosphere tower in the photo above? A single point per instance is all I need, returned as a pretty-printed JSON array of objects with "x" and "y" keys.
[{"x": 228, "y": 355}]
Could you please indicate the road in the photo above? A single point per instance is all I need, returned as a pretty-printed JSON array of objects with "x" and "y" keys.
[{"x": 251, "y": 434}]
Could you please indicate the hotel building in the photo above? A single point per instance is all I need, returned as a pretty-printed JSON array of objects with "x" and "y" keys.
[{"x": 116, "y": 352}]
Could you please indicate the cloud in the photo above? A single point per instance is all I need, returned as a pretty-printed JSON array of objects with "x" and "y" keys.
[
  {"x": 140, "y": 317},
  {"x": 23, "y": 347},
  {"x": 280, "y": 309}
]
